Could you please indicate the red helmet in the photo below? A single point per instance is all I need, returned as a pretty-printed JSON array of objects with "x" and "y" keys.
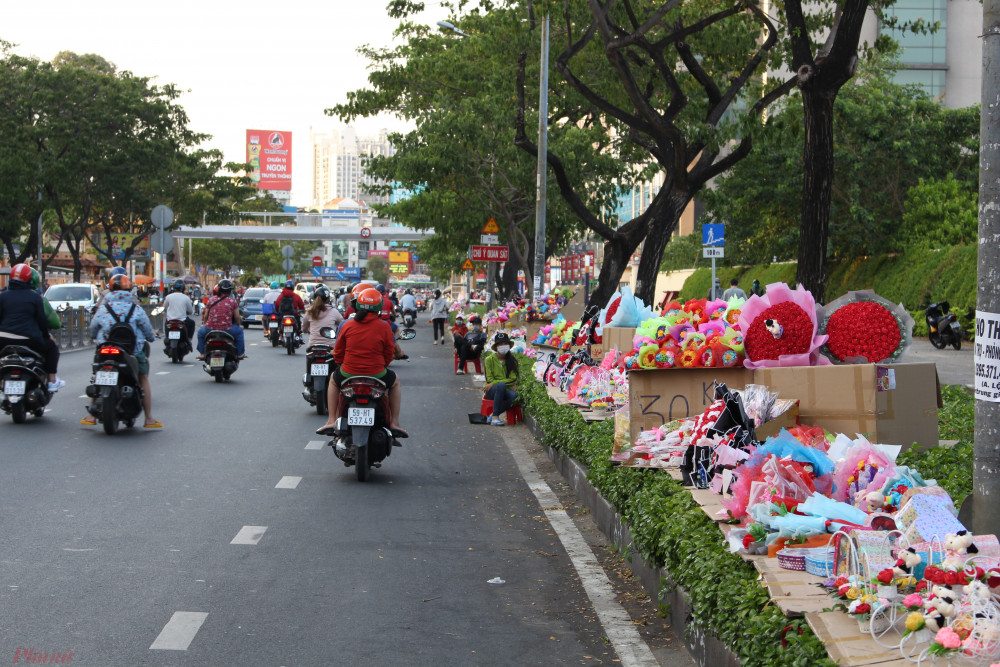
[
  {"x": 21, "y": 273},
  {"x": 358, "y": 289},
  {"x": 370, "y": 301},
  {"x": 119, "y": 282}
]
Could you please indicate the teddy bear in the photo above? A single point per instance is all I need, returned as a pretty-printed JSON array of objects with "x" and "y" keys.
[
  {"x": 907, "y": 561},
  {"x": 933, "y": 619},
  {"x": 976, "y": 590},
  {"x": 943, "y": 599},
  {"x": 958, "y": 546}
]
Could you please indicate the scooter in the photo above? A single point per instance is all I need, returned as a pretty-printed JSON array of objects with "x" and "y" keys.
[
  {"x": 221, "y": 360},
  {"x": 943, "y": 328},
  {"x": 115, "y": 388},
  {"x": 271, "y": 326},
  {"x": 409, "y": 318},
  {"x": 363, "y": 437},
  {"x": 176, "y": 345},
  {"x": 23, "y": 383},
  {"x": 287, "y": 327},
  {"x": 319, "y": 360}
]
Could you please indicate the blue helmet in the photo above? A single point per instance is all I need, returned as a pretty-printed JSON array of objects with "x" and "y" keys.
[
  {"x": 118, "y": 271},
  {"x": 289, "y": 284},
  {"x": 178, "y": 285},
  {"x": 274, "y": 285}
]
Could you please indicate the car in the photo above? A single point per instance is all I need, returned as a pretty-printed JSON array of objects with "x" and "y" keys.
[
  {"x": 251, "y": 305},
  {"x": 305, "y": 290},
  {"x": 73, "y": 295}
]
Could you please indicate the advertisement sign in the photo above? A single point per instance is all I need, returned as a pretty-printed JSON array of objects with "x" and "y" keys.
[
  {"x": 378, "y": 253},
  {"x": 120, "y": 242},
  {"x": 332, "y": 273},
  {"x": 399, "y": 256},
  {"x": 987, "y": 357},
  {"x": 399, "y": 270},
  {"x": 269, "y": 153}
]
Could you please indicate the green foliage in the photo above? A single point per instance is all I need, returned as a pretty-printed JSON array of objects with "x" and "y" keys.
[
  {"x": 670, "y": 530},
  {"x": 940, "y": 213},
  {"x": 951, "y": 466},
  {"x": 378, "y": 269}
]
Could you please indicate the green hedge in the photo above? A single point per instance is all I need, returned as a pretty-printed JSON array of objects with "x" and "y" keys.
[
  {"x": 915, "y": 279},
  {"x": 671, "y": 531}
]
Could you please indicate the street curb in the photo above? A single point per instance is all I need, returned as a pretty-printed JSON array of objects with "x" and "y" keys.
[{"x": 704, "y": 649}]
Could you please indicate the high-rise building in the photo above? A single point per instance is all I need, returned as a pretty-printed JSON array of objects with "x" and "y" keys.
[{"x": 339, "y": 158}]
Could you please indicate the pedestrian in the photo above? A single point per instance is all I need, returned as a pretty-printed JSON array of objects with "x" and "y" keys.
[
  {"x": 439, "y": 315},
  {"x": 715, "y": 292},
  {"x": 734, "y": 290},
  {"x": 756, "y": 289}
]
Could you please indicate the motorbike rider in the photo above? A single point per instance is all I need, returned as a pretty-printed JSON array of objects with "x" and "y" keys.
[
  {"x": 290, "y": 303},
  {"x": 273, "y": 293},
  {"x": 222, "y": 313},
  {"x": 321, "y": 313},
  {"x": 346, "y": 297},
  {"x": 365, "y": 346},
  {"x": 177, "y": 306},
  {"x": 120, "y": 300},
  {"x": 23, "y": 321},
  {"x": 470, "y": 346},
  {"x": 408, "y": 303}
]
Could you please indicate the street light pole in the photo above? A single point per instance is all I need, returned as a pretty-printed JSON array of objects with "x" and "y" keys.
[{"x": 543, "y": 150}]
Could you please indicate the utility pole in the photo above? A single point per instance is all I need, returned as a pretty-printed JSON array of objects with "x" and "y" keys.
[
  {"x": 986, "y": 471},
  {"x": 543, "y": 151}
]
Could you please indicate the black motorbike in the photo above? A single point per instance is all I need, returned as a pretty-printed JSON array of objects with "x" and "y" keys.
[
  {"x": 221, "y": 360},
  {"x": 176, "y": 344},
  {"x": 943, "y": 328},
  {"x": 363, "y": 437},
  {"x": 115, "y": 388},
  {"x": 23, "y": 383},
  {"x": 409, "y": 318},
  {"x": 287, "y": 332},
  {"x": 319, "y": 361},
  {"x": 271, "y": 326}
]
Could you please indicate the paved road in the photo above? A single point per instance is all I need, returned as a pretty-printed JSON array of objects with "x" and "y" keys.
[
  {"x": 953, "y": 366},
  {"x": 119, "y": 549}
]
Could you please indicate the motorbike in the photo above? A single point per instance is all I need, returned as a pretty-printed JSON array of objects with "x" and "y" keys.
[
  {"x": 176, "y": 345},
  {"x": 115, "y": 388},
  {"x": 287, "y": 336},
  {"x": 23, "y": 383},
  {"x": 221, "y": 360},
  {"x": 409, "y": 318},
  {"x": 319, "y": 360},
  {"x": 363, "y": 437},
  {"x": 943, "y": 328},
  {"x": 271, "y": 325}
]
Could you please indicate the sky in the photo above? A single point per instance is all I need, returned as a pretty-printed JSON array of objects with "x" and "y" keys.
[{"x": 243, "y": 65}]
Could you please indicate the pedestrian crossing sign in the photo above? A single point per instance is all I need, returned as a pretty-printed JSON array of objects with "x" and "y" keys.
[{"x": 467, "y": 265}]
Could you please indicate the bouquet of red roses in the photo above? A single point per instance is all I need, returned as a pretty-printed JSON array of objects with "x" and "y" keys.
[{"x": 863, "y": 328}]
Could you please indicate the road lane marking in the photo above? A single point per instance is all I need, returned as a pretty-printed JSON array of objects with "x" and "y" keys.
[
  {"x": 315, "y": 444},
  {"x": 163, "y": 373},
  {"x": 287, "y": 482},
  {"x": 179, "y": 631},
  {"x": 617, "y": 623},
  {"x": 249, "y": 535}
]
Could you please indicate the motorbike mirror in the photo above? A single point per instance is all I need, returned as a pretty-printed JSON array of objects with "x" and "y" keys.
[
  {"x": 407, "y": 334},
  {"x": 328, "y": 332}
]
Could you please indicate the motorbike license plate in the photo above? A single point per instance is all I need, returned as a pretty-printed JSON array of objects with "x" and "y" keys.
[
  {"x": 273, "y": 325},
  {"x": 174, "y": 335},
  {"x": 217, "y": 362},
  {"x": 320, "y": 369},
  {"x": 956, "y": 325},
  {"x": 14, "y": 387},
  {"x": 361, "y": 416},
  {"x": 109, "y": 378}
]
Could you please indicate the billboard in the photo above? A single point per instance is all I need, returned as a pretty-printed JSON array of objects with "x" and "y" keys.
[
  {"x": 269, "y": 153},
  {"x": 120, "y": 242}
]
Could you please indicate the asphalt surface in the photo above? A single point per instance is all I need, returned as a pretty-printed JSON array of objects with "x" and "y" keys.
[
  {"x": 953, "y": 366},
  {"x": 107, "y": 538}
]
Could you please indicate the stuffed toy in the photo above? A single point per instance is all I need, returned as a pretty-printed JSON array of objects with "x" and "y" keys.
[
  {"x": 908, "y": 559},
  {"x": 943, "y": 599},
  {"x": 958, "y": 547}
]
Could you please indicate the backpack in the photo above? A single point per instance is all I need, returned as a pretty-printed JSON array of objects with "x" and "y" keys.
[
  {"x": 121, "y": 332},
  {"x": 286, "y": 305}
]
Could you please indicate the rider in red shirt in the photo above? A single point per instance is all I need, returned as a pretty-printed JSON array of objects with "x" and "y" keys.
[{"x": 297, "y": 305}]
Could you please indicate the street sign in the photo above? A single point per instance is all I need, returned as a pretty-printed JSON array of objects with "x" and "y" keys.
[
  {"x": 714, "y": 235},
  {"x": 714, "y": 253},
  {"x": 162, "y": 216},
  {"x": 318, "y": 271},
  {"x": 340, "y": 266},
  {"x": 489, "y": 239},
  {"x": 366, "y": 232},
  {"x": 161, "y": 241},
  {"x": 490, "y": 253},
  {"x": 287, "y": 251},
  {"x": 467, "y": 265},
  {"x": 491, "y": 227},
  {"x": 317, "y": 260},
  {"x": 287, "y": 264}
]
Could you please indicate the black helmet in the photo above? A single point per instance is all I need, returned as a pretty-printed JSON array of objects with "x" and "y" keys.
[
  {"x": 178, "y": 285},
  {"x": 322, "y": 293},
  {"x": 409, "y": 291},
  {"x": 289, "y": 284},
  {"x": 225, "y": 286}
]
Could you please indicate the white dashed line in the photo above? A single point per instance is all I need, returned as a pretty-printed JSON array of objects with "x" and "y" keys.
[
  {"x": 249, "y": 535},
  {"x": 287, "y": 482},
  {"x": 179, "y": 631},
  {"x": 316, "y": 444},
  {"x": 163, "y": 373}
]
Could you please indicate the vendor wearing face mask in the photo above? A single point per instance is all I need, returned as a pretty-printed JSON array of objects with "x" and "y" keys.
[
  {"x": 501, "y": 378},
  {"x": 470, "y": 344}
]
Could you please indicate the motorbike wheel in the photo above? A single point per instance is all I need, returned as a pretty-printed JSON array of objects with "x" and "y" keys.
[
  {"x": 290, "y": 344},
  {"x": 18, "y": 412},
  {"x": 275, "y": 340},
  {"x": 109, "y": 415},
  {"x": 957, "y": 344},
  {"x": 935, "y": 338},
  {"x": 176, "y": 355},
  {"x": 321, "y": 402},
  {"x": 218, "y": 377},
  {"x": 361, "y": 463}
]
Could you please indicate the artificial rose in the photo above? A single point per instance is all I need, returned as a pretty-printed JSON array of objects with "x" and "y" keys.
[
  {"x": 913, "y": 602},
  {"x": 841, "y": 581},
  {"x": 885, "y": 577},
  {"x": 862, "y": 608},
  {"x": 948, "y": 638},
  {"x": 921, "y": 586},
  {"x": 951, "y": 578},
  {"x": 797, "y": 332},
  {"x": 853, "y": 593},
  {"x": 934, "y": 574},
  {"x": 747, "y": 540},
  {"x": 914, "y": 621},
  {"x": 842, "y": 590},
  {"x": 863, "y": 329}
]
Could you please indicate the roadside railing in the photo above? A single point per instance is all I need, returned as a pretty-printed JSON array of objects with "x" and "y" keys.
[{"x": 75, "y": 331}]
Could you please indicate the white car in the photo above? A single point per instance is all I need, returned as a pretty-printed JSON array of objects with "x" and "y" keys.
[{"x": 73, "y": 295}]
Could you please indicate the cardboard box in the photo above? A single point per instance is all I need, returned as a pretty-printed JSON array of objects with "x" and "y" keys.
[
  {"x": 892, "y": 404},
  {"x": 619, "y": 338},
  {"x": 659, "y": 396},
  {"x": 786, "y": 419}
]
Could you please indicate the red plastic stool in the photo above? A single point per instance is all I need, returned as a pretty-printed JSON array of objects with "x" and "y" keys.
[
  {"x": 514, "y": 414},
  {"x": 465, "y": 366}
]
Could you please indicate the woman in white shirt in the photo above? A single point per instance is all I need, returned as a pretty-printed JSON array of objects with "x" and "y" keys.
[{"x": 439, "y": 316}]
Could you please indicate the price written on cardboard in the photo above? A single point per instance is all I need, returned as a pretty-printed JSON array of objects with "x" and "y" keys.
[{"x": 987, "y": 358}]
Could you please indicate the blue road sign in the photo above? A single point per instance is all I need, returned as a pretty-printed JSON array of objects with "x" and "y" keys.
[
  {"x": 331, "y": 272},
  {"x": 714, "y": 234}
]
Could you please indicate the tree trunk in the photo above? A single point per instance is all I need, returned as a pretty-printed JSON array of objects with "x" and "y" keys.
[
  {"x": 814, "y": 227},
  {"x": 657, "y": 238}
]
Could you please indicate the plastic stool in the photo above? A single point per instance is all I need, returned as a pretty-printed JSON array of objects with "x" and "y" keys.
[
  {"x": 514, "y": 414},
  {"x": 465, "y": 366}
]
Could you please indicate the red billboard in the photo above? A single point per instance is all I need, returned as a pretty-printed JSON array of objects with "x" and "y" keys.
[
  {"x": 490, "y": 253},
  {"x": 269, "y": 154}
]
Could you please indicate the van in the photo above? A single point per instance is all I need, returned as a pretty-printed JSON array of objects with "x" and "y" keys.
[{"x": 73, "y": 295}]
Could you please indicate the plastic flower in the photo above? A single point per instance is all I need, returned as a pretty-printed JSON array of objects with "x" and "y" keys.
[
  {"x": 913, "y": 602},
  {"x": 853, "y": 593},
  {"x": 948, "y": 638},
  {"x": 914, "y": 621},
  {"x": 863, "y": 327},
  {"x": 780, "y": 329},
  {"x": 885, "y": 577}
]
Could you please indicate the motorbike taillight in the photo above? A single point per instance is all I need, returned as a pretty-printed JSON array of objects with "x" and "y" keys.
[
  {"x": 288, "y": 321},
  {"x": 362, "y": 390},
  {"x": 110, "y": 350}
]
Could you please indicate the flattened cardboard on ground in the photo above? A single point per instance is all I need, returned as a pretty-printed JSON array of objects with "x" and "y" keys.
[
  {"x": 894, "y": 404},
  {"x": 710, "y": 503},
  {"x": 618, "y": 338},
  {"x": 659, "y": 396},
  {"x": 847, "y": 646}
]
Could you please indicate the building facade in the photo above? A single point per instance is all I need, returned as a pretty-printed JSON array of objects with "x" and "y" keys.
[{"x": 339, "y": 158}]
